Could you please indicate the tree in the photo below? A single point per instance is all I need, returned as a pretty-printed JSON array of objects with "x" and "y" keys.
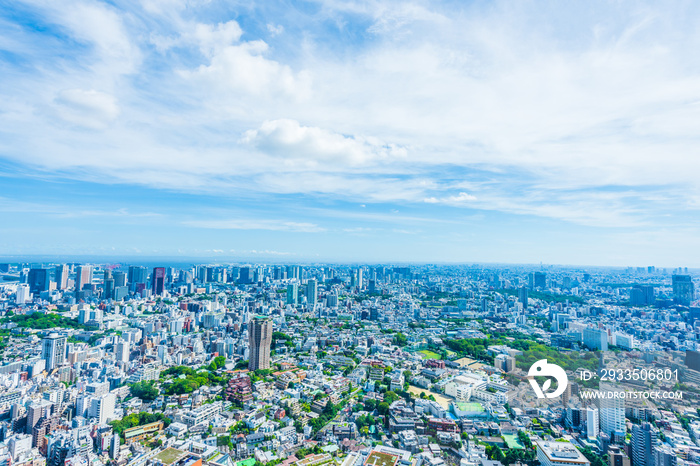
[
  {"x": 399, "y": 340},
  {"x": 145, "y": 390},
  {"x": 383, "y": 408}
]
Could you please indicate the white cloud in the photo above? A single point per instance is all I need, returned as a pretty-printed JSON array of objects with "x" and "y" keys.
[
  {"x": 88, "y": 108},
  {"x": 459, "y": 199},
  {"x": 250, "y": 224},
  {"x": 275, "y": 29},
  {"x": 292, "y": 141}
]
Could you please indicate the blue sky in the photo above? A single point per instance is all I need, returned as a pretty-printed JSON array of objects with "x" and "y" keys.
[{"x": 521, "y": 132}]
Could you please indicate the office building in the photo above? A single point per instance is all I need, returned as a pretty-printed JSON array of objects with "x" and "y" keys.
[
  {"x": 158, "y": 280},
  {"x": 292, "y": 294},
  {"x": 61, "y": 276},
  {"x": 522, "y": 296},
  {"x": 137, "y": 277},
  {"x": 683, "y": 289},
  {"x": 260, "y": 340},
  {"x": 595, "y": 339},
  {"x": 83, "y": 276},
  {"x": 53, "y": 350},
  {"x": 550, "y": 453},
  {"x": 311, "y": 294},
  {"x": 38, "y": 280},
  {"x": 644, "y": 440},
  {"x": 539, "y": 280},
  {"x": 119, "y": 278}
]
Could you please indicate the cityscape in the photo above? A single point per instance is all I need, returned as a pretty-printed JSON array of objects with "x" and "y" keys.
[
  {"x": 349, "y": 233},
  {"x": 252, "y": 364}
]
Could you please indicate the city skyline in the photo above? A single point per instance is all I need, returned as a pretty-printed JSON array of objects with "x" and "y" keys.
[{"x": 335, "y": 131}]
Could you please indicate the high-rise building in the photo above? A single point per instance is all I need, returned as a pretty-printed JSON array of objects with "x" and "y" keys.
[
  {"x": 260, "y": 340},
  {"x": 108, "y": 285},
  {"x": 522, "y": 296},
  {"x": 292, "y": 294},
  {"x": 53, "y": 350},
  {"x": 122, "y": 351},
  {"x": 102, "y": 407},
  {"x": 683, "y": 289},
  {"x": 665, "y": 456},
  {"x": 158, "y": 280},
  {"x": 595, "y": 339},
  {"x": 83, "y": 276},
  {"x": 38, "y": 280},
  {"x": 360, "y": 282},
  {"x": 311, "y": 294},
  {"x": 61, "y": 273},
  {"x": 540, "y": 280},
  {"x": 119, "y": 278},
  {"x": 36, "y": 411},
  {"x": 644, "y": 440},
  {"x": 137, "y": 278},
  {"x": 612, "y": 414},
  {"x": 22, "y": 295},
  {"x": 592, "y": 423}
]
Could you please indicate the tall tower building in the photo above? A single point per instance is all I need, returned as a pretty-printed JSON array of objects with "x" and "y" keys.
[
  {"x": 592, "y": 423},
  {"x": 38, "y": 280},
  {"x": 53, "y": 350},
  {"x": 522, "y": 296},
  {"x": 683, "y": 289},
  {"x": 158, "y": 280},
  {"x": 137, "y": 277},
  {"x": 311, "y": 294},
  {"x": 643, "y": 443},
  {"x": 293, "y": 294},
  {"x": 83, "y": 276},
  {"x": 62, "y": 277},
  {"x": 260, "y": 339},
  {"x": 122, "y": 351},
  {"x": 612, "y": 414}
]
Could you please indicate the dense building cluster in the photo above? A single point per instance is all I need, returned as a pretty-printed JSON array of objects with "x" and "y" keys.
[{"x": 347, "y": 365}]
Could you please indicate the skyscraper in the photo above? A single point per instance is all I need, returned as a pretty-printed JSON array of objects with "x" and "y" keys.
[
  {"x": 522, "y": 296},
  {"x": 612, "y": 413},
  {"x": 53, "y": 350},
  {"x": 38, "y": 280},
  {"x": 83, "y": 276},
  {"x": 311, "y": 294},
  {"x": 683, "y": 289},
  {"x": 259, "y": 339},
  {"x": 62, "y": 277},
  {"x": 592, "y": 423},
  {"x": 292, "y": 293},
  {"x": 643, "y": 443},
  {"x": 158, "y": 280},
  {"x": 137, "y": 277}
]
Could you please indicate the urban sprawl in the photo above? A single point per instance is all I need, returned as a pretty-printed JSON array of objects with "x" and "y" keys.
[{"x": 339, "y": 365}]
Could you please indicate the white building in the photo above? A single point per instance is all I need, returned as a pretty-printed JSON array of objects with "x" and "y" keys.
[
  {"x": 559, "y": 454},
  {"x": 592, "y": 423}
]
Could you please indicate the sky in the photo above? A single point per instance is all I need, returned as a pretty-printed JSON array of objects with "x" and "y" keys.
[{"x": 377, "y": 131}]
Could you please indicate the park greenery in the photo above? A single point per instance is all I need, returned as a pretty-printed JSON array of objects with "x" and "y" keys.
[
  {"x": 145, "y": 390},
  {"x": 135, "y": 420},
  {"x": 191, "y": 381},
  {"x": 41, "y": 321}
]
